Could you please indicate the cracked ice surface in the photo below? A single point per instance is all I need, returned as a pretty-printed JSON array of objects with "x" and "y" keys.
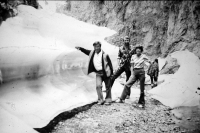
[
  {"x": 44, "y": 74},
  {"x": 180, "y": 89}
]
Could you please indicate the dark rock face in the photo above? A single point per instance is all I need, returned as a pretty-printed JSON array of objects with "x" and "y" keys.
[
  {"x": 171, "y": 66},
  {"x": 162, "y": 27},
  {"x": 8, "y": 8}
]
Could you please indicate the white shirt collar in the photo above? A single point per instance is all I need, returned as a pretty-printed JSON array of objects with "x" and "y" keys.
[{"x": 100, "y": 53}]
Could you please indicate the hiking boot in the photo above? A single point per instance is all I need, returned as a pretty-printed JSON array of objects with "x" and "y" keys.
[
  {"x": 152, "y": 85},
  {"x": 138, "y": 105},
  {"x": 119, "y": 101},
  {"x": 107, "y": 103},
  {"x": 141, "y": 105},
  {"x": 127, "y": 97},
  {"x": 155, "y": 84},
  {"x": 100, "y": 102}
]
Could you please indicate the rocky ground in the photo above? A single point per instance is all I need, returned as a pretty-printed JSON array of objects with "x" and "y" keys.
[{"x": 125, "y": 118}]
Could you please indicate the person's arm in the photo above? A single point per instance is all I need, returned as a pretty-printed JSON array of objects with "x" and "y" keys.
[
  {"x": 85, "y": 51},
  {"x": 132, "y": 51},
  {"x": 120, "y": 54},
  {"x": 147, "y": 59}
]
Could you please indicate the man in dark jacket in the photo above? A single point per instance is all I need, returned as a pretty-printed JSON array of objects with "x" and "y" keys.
[
  {"x": 124, "y": 57},
  {"x": 100, "y": 63}
]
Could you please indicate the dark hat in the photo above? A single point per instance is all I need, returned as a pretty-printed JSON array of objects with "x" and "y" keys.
[
  {"x": 139, "y": 47},
  {"x": 97, "y": 43}
]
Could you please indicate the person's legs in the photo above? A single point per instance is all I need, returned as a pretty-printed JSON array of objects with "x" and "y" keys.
[
  {"x": 116, "y": 74},
  {"x": 108, "y": 98},
  {"x": 142, "y": 80},
  {"x": 156, "y": 80},
  {"x": 127, "y": 86},
  {"x": 99, "y": 88},
  {"x": 128, "y": 74},
  {"x": 151, "y": 77},
  {"x": 119, "y": 71}
]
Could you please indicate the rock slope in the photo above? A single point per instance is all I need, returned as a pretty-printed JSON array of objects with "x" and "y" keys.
[{"x": 162, "y": 27}]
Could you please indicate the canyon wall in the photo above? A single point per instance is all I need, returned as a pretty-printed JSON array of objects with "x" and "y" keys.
[{"x": 162, "y": 27}]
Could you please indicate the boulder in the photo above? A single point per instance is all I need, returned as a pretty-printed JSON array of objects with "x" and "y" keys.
[{"x": 171, "y": 66}]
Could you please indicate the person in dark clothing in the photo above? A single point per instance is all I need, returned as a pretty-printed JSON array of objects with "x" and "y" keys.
[
  {"x": 100, "y": 63},
  {"x": 137, "y": 73},
  {"x": 32, "y": 3},
  {"x": 153, "y": 72},
  {"x": 4, "y": 12},
  {"x": 124, "y": 57}
]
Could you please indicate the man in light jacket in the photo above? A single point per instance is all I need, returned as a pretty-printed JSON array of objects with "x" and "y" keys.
[{"x": 100, "y": 63}]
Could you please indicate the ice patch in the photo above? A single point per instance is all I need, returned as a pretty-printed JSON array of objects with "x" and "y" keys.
[
  {"x": 37, "y": 47},
  {"x": 180, "y": 89}
]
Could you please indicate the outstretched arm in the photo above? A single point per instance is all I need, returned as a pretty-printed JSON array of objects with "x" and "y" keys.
[
  {"x": 85, "y": 51},
  {"x": 147, "y": 59}
]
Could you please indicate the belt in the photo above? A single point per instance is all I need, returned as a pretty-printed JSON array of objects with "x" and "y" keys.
[
  {"x": 100, "y": 72},
  {"x": 138, "y": 68}
]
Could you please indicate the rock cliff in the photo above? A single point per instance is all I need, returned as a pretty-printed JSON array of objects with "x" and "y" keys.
[{"x": 162, "y": 27}]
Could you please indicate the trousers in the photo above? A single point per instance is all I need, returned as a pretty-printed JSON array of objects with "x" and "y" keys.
[
  {"x": 153, "y": 79},
  {"x": 139, "y": 74},
  {"x": 100, "y": 78},
  {"x": 119, "y": 71}
]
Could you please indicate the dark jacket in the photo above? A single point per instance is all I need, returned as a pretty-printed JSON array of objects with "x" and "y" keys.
[
  {"x": 153, "y": 70},
  {"x": 106, "y": 62},
  {"x": 122, "y": 51},
  {"x": 124, "y": 54}
]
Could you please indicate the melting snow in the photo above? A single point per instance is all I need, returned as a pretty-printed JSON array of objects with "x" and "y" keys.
[
  {"x": 41, "y": 44},
  {"x": 180, "y": 89}
]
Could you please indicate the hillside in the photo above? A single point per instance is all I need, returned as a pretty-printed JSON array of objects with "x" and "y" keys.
[{"x": 162, "y": 27}]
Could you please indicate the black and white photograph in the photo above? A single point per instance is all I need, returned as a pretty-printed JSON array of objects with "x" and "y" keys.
[{"x": 99, "y": 66}]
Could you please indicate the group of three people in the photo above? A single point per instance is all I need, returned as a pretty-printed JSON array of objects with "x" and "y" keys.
[{"x": 131, "y": 61}]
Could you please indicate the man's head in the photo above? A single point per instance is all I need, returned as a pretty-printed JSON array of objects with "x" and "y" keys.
[
  {"x": 97, "y": 46},
  {"x": 156, "y": 60},
  {"x": 139, "y": 50},
  {"x": 126, "y": 40}
]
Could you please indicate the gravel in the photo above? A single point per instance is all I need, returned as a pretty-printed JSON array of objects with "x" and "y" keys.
[{"x": 122, "y": 118}]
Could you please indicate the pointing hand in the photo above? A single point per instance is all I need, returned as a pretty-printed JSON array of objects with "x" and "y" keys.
[{"x": 77, "y": 48}]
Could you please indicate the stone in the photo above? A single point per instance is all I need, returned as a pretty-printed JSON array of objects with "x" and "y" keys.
[
  {"x": 163, "y": 129},
  {"x": 178, "y": 115},
  {"x": 170, "y": 67},
  {"x": 183, "y": 131},
  {"x": 127, "y": 123},
  {"x": 188, "y": 118}
]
